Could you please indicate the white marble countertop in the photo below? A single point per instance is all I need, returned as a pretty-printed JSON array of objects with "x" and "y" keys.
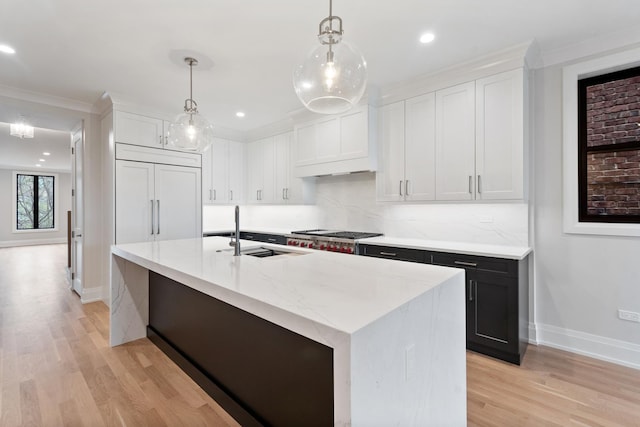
[
  {"x": 342, "y": 292},
  {"x": 498, "y": 251}
]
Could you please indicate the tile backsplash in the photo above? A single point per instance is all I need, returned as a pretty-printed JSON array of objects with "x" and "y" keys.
[{"x": 349, "y": 202}]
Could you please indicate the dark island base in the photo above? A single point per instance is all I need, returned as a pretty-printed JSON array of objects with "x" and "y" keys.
[{"x": 259, "y": 372}]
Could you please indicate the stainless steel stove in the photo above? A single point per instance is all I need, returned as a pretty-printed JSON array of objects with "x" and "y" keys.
[{"x": 328, "y": 240}]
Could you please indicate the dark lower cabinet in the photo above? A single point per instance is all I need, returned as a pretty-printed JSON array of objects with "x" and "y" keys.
[
  {"x": 278, "y": 239},
  {"x": 260, "y": 373},
  {"x": 497, "y": 297}
]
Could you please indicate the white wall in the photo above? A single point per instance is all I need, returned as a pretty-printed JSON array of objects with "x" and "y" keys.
[
  {"x": 7, "y": 205},
  {"x": 581, "y": 280}
]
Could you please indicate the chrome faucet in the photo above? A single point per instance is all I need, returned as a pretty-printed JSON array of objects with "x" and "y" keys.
[{"x": 236, "y": 242}]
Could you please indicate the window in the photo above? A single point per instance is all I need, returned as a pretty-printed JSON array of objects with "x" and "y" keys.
[
  {"x": 35, "y": 202},
  {"x": 609, "y": 147}
]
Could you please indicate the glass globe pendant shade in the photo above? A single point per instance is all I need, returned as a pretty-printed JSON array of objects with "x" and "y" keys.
[
  {"x": 331, "y": 79},
  {"x": 190, "y": 131}
]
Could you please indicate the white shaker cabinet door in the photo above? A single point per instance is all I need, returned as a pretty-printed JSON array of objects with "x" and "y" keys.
[
  {"x": 391, "y": 134},
  {"x": 268, "y": 171},
  {"x": 236, "y": 172},
  {"x": 178, "y": 207},
  {"x": 499, "y": 136},
  {"x": 220, "y": 171},
  {"x": 420, "y": 148},
  {"x": 282, "y": 144},
  {"x": 135, "y": 202},
  {"x": 455, "y": 142},
  {"x": 135, "y": 129},
  {"x": 207, "y": 180}
]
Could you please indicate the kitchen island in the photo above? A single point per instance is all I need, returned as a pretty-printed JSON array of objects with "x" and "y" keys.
[{"x": 386, "y": 339}]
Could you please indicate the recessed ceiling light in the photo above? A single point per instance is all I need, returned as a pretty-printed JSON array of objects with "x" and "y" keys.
[
  {"x": 7, "y": 49},
  {"x": 38, "y": 165},
  {"x": 240, "y": 114},
  {"x": 46, "y": 153},
  {"x": 427, "y": 38},
  {"x": 41, "y": 160}
]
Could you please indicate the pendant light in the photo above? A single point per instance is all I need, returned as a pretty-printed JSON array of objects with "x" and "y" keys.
[
  {"x": 333, "y": 76},
  {"x": 189, "y": 130}
]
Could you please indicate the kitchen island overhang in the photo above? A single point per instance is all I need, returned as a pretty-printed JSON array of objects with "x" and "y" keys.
[{"x": 396, "y": 329}]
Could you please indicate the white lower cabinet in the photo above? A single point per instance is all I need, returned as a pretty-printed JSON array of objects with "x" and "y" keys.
[{"x": 156, "y": 202}]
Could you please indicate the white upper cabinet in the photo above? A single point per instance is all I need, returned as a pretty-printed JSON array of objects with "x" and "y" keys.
[
  {"x": 391, "y": 136},
  {"x": 455, "y": 142},
  {"x": 336, "y": 144},
  {"x": 406, "y": 132},
  {"x": 289, "y": 188},
  {"x": 261, "y": 171},
  {"x": 500, "y": 136},
  {"x": 138, "y": 130},
  {"x": 420, "y": 149},
  {"x": 222, "y": 172}
]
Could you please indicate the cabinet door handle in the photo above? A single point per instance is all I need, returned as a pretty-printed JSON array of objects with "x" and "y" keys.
[
  {"x": 166, "y": 140},
  {"x": 287, "y": 193},
  {"x": 401, "y": 188},
  {"x": 210, "y": 194},
  {"x": 272, "y": 240},
  {"x": 470, "y": 287},
  {"x": 230, "y": 194},
  {"x": 160, "y": 140},
  {"x": 470, "y": 184},
  {"x": 406, "y": 188},
  {"x": 158, "y": 230},
  {"x": 152, "y": 218},
  {"x": 388, "y": 253},
  {"x": 214, "y": 195},
  {"x": 283, "y": 195},
  {"x": 466, "y": 264},
  {"x": 479, "y": 186}
]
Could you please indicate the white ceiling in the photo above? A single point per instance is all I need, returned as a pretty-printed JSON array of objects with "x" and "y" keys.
[
  {"x": 79, "y": 49},
  {"x": 16, "y": 153}
]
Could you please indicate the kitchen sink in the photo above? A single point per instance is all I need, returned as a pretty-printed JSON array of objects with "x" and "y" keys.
[{"x": 262, "y": 252}]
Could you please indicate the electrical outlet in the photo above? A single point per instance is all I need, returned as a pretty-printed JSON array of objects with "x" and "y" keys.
[{"x": 631, "y": 316}]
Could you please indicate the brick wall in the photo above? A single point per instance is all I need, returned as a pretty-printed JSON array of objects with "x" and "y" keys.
[{"x": 613, "y": 177}]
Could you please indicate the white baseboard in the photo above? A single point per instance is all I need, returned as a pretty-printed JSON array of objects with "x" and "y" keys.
[
  {"x": 32, "y": 242},
  {"x": 91, "y": 295},
  {"x": 599, "y": 347}
]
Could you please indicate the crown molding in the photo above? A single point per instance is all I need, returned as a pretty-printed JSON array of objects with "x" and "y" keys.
[
  {"x": 617, "y": 40},
  {"x": 42, "y": 98}
]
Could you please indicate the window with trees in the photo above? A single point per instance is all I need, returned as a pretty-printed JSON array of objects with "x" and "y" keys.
[
  {"x": 35, "y": 202},
  {"x": 609, "y": 147}
]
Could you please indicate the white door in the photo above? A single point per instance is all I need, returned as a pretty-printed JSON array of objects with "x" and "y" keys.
[
  {"x": 283, "y": 151},
  {"x": 178, "y": 203},
  {"x": 207, "y": 180},
  {"x": 499, "y": 136},
  {"x": 420, "y": 148},
  {"x": 390, "y": 175},
  {"x": 77, "y": 209},
  {"x": 455, "y": 142},
  {"x": 135, "y": 202}
]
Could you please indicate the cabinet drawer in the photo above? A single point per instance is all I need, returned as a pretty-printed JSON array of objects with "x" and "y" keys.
[
  {"x": 507, "y": 267},
  {"x": 263, "y": 237},
  {"x": 389, "y": 252}
]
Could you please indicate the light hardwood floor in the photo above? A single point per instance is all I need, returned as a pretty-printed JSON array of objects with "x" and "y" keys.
[{"x": 56, "y": 368}]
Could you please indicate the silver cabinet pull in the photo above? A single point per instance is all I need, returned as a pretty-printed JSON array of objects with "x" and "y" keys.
[
  {"x": 286, "y": 193},
  {"x": 272, "y": 240},
  {"x": 166, "y": 140},
  {"x": 479, "y": 186},
  {"x": 401, "y": 188},
  {"x": 406, "y": 188},
  {"x": 470, "y": 286},
  {"x": 152, "y": 218},
  {"x": 388, "y": 253},
  {"x": 210, "y": 194},
  {"x": 158, "y": 202},
  {"x": 160, "y": 140},
  {"x": 470, "y": 185},
  {"x": 257, "y": 194},
  {"x": 215, "y": 196},
  {"x": 230, "y": 194},
  {"x": 283, "y": 196},
  {"x": 467, "y": 264}
]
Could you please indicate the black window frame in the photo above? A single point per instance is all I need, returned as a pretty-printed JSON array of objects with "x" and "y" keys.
[
  {"x": 584, "y": 150},
  {"x": 36, "y": 213}
]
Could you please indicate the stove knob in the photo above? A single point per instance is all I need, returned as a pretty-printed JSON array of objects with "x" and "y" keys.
[
  {"x": 303, "y": 245},
  {"x": 295, "y": 243},
  {"x": 349, "y": 250},
  {"x": 290, "y": 243},
  {"x": 310, "y": 245},
  {"x": 322, "y": 247},
  {"x": 331, "y": 248}
]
